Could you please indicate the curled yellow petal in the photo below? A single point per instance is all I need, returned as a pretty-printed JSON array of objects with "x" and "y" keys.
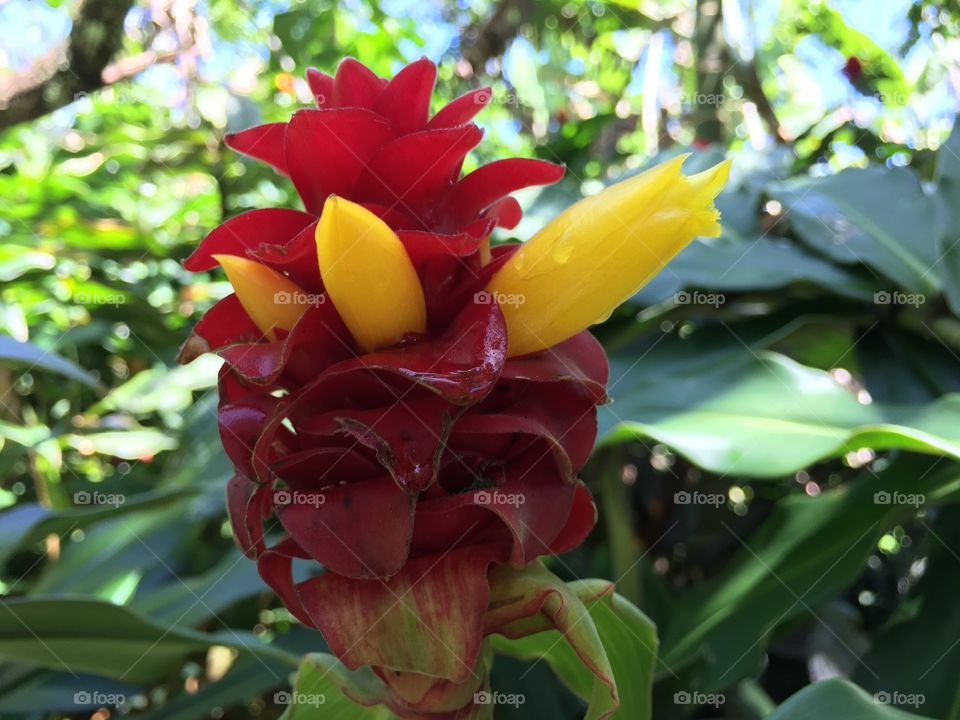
[
  {"x": 271, "y": 299},
  {"x": 368, "y": 275},
  {"x": 600, "y": 251}
]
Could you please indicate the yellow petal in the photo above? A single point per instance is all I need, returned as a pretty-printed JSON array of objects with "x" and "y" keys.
[
  {"x": 599, "y": 252},
  {"x": 271, "y": 299},
  {"x": 368, "y": 275}
]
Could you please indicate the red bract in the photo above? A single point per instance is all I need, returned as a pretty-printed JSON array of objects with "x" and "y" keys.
[
  {"x": 370, "y": 141},
  {"x": 407, "y": 472}
]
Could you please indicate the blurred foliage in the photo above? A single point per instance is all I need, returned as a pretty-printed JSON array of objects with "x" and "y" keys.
[{"x": 785, "y": 431}]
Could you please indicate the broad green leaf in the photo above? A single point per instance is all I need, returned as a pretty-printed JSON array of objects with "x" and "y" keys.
[
  {"x": 30, "y": 522},
  {"x": 114, "y": 556},
  {"x": 28, "y": 356},
  {"x": 27, "y": 690},
  {"x": 730, "y": 409},
  {"x": 838, "y": 700},
  {"x": 877, "y": 216},
  {"x": 190, "y": 601},
  {"x": 749, "y": 265},
  {"x": 105, "y": 639}
]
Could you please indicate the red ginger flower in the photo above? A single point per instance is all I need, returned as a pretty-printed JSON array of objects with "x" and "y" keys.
[{"x": 411, "y": 407}]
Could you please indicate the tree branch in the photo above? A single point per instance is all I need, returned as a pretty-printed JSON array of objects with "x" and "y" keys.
[
  {"x": 74, "y": 67},
  {"x": 489, "y": 38},
  {"x": 712, "y": 60},
  {"x": 746, "y": 74}
]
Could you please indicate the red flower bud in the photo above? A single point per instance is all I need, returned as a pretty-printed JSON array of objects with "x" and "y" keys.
[{"x": 853, "y": 69}]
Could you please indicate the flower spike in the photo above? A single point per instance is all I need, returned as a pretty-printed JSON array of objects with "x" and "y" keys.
[
  {"x": 599, "y": 252},
  {"x": 271, "y": 299},
  {"x": 368, "y": 275},
  {"x": 409, "y": 460}
]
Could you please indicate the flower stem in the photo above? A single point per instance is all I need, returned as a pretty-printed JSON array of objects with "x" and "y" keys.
[{"x": 615, "y": 500}]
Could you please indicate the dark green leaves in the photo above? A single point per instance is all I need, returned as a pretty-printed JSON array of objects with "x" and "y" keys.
[
  {"x": 840, "y": 699},
  {"x": 807, "y": 551},
  {"x": 733, "y": 409},
  {"x": 28, "y": 356},
  {"x": 104, "y": 639},
  {"x": 876, "y": 216}
]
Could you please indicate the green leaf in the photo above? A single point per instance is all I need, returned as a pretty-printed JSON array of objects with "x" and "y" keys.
[
  {"x": 731, "y": 409},
  {"x": 112, "y": 557},
  {"x": 317, "y": 692},
  {"x": 947, "y": 197},
  {"x": 809, "y": 549},
  {"x": 24, "y": 353},
  {"x": 28, "y": 436},
  {"x": 127, "y": 444},
  {"x": 878, "y": 216},
  {"x": 30, "y": 522},
  {"x": 629, "y": 639},
  {"x": 753, "y": 264},
  {"x": 105, "y": 639},
  {"x": 246, "y": 679},
  {"x": 233, "y": 578},
  {"x": 925, "y": 628},
  {"x": 836, "y": 700},
  {"x": 903, "y": 367},
  {"x": 162, "y": 389},
  {"x": 26, "y": 690},
  {"x": 16, "y": 260}
]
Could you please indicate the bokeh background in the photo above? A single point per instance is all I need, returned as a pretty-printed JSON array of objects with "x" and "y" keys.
[{"x": 777, "y": 475}]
